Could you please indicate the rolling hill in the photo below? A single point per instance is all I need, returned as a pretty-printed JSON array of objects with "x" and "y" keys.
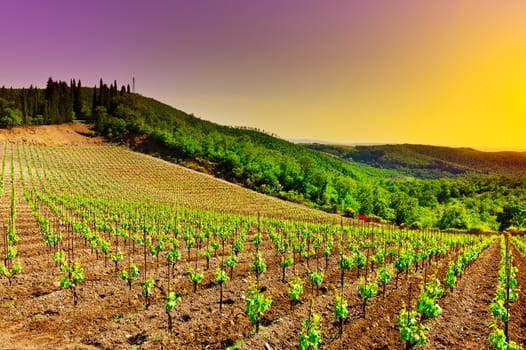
[
  {"x": 416, "y": 185},
  {"x": 429, "y": 162}
]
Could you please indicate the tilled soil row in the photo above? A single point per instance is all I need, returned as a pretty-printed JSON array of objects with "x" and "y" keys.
[
  {"x": 466, "y": 315},
  {"x": 378, "y": 330},
  {"x": 517, "y": 324}
]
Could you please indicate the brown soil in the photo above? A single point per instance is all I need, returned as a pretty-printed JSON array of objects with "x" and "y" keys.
[
  {"x": 466, "y": 315},
  {"x": 517, "y": 325},
  {"x": 75, "y": 133},
  {"x": 463, "y": 324}
]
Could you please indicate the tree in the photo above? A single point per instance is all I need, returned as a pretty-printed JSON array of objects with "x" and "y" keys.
[
  {"x": 405, "y": 208},
  {"x": 455, "y": 215},
  {"x": 513, "y": 214},
  {"x": 11, "y": 118},
  {"x": 94, "y": 100},
  {"x": 101, "y": 116},
  {"x": 77, "y": 99}
]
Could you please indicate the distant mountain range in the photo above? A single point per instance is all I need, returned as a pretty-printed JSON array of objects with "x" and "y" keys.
[{"x": 427, "y": 162}]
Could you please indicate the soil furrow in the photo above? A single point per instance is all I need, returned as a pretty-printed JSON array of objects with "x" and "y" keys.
[
  {"x": 517, "y": 324},
  {"x": 466, "y": 315}
]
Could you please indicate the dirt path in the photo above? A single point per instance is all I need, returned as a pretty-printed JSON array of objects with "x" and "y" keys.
[{"x": 465, "y": 316}]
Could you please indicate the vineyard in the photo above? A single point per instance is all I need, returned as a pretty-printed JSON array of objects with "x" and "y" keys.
[{"x": 107, "y": 248}]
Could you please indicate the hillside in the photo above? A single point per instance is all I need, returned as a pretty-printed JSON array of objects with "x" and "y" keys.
[
  {"x": 244, "y": 156},
  {"x": 428, "y": 162},
  {"x": 377, "y": 181}
]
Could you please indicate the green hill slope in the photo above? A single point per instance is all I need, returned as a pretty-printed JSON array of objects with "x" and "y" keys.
[{"x": 245, "y": 156}]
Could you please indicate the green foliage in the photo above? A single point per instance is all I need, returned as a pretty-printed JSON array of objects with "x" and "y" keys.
[
  {"x": 513, "y": 214},
  {"x": 171, "y": 301},
  {"x": 506, "y": 293},
  {"x": 59, "y": 257},
  {"x": 426, "y": 162},
  {"x": 316, "y": 278},
  {"x": 195, "y": 276},
  {"x": 384, "y": 275},
  {"x": 238, "y": 246},
  {"x": 295, "y": 288},
  {"x": 15, "y": 269},
  {"x": 310, "y": 335},
  {"x": 427, "y": 306},
  {"x": 403, "y": 262},
  {"x": 147, "y": 288},
  {"x": 451, "y": 279},
  {"x": 411, "y": 329},
  {"x": 221, "y": 276},
  {"x": 258, "y": 264},
  {"x": 256, "y": 304},
  {"x": 286, "y": 261},
  {"x": 507, "y": 285},
  {"x": 433, "y": 288},
  {"x": 497, "y": 338},
  {"x": 11, "y": 118},
  {"x": 427, "y": 299},
  {"x": 172, "y": 256},
  {"x": 456, "y": 216},
  {"x": 131, "y": 275},
  {"x": 346, "y": 262},
  {"x": 340, "y": 307},
  {"x": 231, "y": 261},
  {"x": 116, "y": 257},
  {"x": 367, "y": 290},
  {"x": 498, "y": 309},
  {"x": 361, "y": 260},
  {"x": 11, "y": 252},
  {"x": 74, "y": 274},
  {"x": 124, "y": 275}
]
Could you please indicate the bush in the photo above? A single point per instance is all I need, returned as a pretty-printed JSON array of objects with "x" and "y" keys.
[{"x": 349, "y": 212}]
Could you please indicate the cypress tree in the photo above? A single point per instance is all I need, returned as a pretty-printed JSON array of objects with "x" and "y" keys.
[
  {"x": 77, "y": 100},
  {"x": 94, "y": 100}
]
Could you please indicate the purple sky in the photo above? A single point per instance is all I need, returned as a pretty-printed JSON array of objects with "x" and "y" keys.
[
  {"x": 340, "y": 70},
  {"x": 162, "y": 42}
]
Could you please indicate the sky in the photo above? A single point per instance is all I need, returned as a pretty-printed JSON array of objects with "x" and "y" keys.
[{"x": 449, "y": 72}]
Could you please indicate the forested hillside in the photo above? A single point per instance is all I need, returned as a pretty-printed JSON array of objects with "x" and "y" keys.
[
  {"x": 429, "y": 162},
  {"x": 335, "y": 182}
]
